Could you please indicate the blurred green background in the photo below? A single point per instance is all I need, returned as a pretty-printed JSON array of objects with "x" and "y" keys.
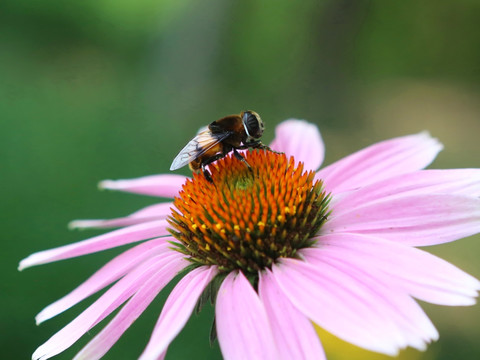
[{"x": 100, "y": 89}]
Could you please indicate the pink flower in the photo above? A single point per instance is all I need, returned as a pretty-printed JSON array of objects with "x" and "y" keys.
[{"x": 337, "y": 247}]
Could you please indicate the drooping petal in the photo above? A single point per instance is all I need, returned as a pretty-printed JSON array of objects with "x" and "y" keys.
[
  {"x": 339, "y": 304},
  {"x": 243, "y": 328},
  {"x": 295, "y": 335},
  {"x": 177, "y": 310},
  {"x": 302, "y": 140},
  {"x": 155, "y": 185},
  {"x": 411, "y": 323},
  {"x": 109, "y": 301},
  {"x": 109, "y": 240},
  {"x": 380, "y": 161},
  {"x": 149, "y": 213},
  {"x": 416, "y": 220},
  {"x": 456, "y": 181},
  {"x": 189, "y": 286},
  {"x": 404, "y": 268},
  {"x": 110, "y": 272}
]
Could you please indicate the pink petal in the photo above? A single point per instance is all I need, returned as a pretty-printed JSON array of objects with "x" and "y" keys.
[
  {"x": 166, "y": 186},
  {"x": 411, "y": 323},
  {"x": 243, "y": 328},
  {"x": 340, "y": 304},
  {"x": 417, "y": 220},
  {"x": 98, "y": 243},
  {"x": 295, "y": 335},
  {"x": 403, "y": 268},
  {"x": 150, "y": 213},
  {"x": 301, "y": 140},
  {"x": 109, "y": 301},
  {"x": 110, "y": 272},
  {"x": 177, "y": 310},
  {"x": 456, "y": 181},
  {"x": 110, "y": 334},
  {"x": 380, "y": 161}
]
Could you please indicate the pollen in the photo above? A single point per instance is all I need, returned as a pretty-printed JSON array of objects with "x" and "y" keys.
[{"x": 250, "y": 215}]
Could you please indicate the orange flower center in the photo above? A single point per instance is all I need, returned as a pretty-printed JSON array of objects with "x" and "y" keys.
[{"x": 249, "y": 216}]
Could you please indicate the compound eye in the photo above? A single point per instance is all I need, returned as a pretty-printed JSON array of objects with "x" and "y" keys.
[{"x": 253, "y": 125}]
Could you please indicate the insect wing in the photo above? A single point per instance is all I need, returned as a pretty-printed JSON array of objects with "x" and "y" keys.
[{"x": 198, "y": 146}]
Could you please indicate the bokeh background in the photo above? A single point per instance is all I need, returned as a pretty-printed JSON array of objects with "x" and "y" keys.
[{"x": 99, "y": 89}]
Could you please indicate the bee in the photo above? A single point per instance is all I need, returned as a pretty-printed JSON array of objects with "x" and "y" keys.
[{"x": 215, "y": 141}]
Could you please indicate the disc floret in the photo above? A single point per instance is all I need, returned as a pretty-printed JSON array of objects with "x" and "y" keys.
[{"x": 249, "y": 216}]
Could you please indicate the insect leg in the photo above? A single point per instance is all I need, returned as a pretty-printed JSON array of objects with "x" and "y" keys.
[
  {"x": 207, "y": 175},
  {"x": 208, "y": 161},
  {"x": 262, "y": 146},
  {"x": 241, "y": 158}
]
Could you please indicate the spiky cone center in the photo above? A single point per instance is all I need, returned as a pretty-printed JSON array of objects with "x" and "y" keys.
[{"x": 248, "y": 217}]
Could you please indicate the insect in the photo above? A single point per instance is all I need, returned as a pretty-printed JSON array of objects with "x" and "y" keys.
[{"x": 233, "y": 132}]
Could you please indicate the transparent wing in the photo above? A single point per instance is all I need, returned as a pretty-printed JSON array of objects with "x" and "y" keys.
[{"x": 198, "y": 146}]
